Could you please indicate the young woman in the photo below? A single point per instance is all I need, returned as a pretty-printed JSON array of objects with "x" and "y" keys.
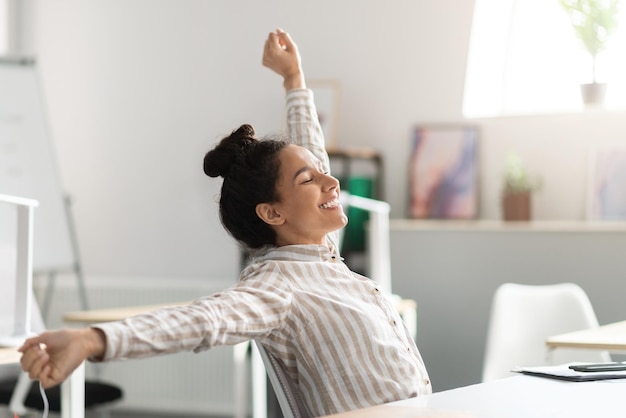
[{"x": 341, "y": 341}]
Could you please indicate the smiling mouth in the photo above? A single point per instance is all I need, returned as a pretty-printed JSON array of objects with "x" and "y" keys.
[{"x": 332, "y": 204}]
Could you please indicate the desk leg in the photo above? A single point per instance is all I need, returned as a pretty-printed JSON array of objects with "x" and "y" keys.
[
  {"x": 16, "y": 404},
  {"x": 259, "y": 385},
  {"x": 240, "y": 354},
  {"x": 73, "y": 394}
]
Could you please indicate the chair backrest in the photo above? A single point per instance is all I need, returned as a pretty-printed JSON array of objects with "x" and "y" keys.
[
  {"x": 524, "y": 316},
  {"x": 288, "y": 396}
]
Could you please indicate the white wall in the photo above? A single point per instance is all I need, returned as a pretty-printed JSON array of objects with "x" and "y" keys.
[
  {"x": 555, "y": 147},
  {"x": 139, "y": 90}
]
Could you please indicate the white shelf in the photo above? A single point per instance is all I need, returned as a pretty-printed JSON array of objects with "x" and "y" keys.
[{"x": 502, "y": 226}]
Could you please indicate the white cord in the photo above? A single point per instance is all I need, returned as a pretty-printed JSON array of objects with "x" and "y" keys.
[{"x": 46, "y": 406}]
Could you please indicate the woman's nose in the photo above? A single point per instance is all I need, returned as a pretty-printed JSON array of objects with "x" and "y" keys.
[{"x": 332, "y": 182}]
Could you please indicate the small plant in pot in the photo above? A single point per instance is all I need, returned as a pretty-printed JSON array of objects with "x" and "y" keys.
[
  {"x": 517, "y": 189},
  {"x": 594, "y": 21}
]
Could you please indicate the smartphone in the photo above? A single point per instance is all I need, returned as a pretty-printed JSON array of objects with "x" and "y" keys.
[{"x": 599, "y": 367}]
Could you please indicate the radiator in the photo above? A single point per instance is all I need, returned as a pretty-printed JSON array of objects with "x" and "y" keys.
[{"x": 185, "y": 383}]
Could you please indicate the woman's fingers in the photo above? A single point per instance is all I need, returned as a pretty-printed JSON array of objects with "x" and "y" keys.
[
  {"x": 48, "y": 379},
  {"x": 34, "y": 361}
]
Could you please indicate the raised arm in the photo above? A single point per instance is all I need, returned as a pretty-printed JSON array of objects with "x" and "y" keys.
[{"x": 282, "y": 56}]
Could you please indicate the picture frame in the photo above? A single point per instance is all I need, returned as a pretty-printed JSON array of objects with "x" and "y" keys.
[
  {"x": 606, "y": 191},
  {"x": 443, "y": 172},
  {"x": 327, "y": 97}
]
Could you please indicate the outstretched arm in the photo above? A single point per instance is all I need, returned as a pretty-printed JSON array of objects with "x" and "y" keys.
[{"x": 248, "y": 310}]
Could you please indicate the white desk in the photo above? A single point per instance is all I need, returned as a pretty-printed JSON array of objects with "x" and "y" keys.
[
  {"x": 9, "y": 356},
  {"x": 611, "y": 337},
  {"x": 513, "y": 397}
]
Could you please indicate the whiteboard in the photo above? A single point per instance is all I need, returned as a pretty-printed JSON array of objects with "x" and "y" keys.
[{"x": 28, "y": 166}]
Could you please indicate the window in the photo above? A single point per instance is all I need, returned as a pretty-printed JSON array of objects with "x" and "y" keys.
[{"x": 525, "y": 58}]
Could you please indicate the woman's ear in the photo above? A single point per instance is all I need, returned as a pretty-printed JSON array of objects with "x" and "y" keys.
[{"x": 268, "y": 213}]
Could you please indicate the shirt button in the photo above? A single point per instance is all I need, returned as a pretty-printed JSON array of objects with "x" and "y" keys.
[
  {"x": 376, "y": 290},
  {"x": 392, "y": 322},
  {"x": 333, "y": 258},
  {"x": 426, "y": 382}
]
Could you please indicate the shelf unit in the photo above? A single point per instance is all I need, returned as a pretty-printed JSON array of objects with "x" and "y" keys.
[
  {"x": 360, "y": 171},
  {"x": 358, "y": 161}
]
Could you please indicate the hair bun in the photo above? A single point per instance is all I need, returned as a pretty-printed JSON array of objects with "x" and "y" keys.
[
  {"x": 244, "y": 131},
  {"x": 221, "y": 159}
]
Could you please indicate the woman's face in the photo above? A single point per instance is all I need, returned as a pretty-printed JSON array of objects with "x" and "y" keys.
[{"x": 308, "y": 206}]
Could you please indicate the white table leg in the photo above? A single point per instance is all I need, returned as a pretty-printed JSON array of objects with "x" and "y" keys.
[
  {"x": 73, "y": 394},
  {"x": 20, "y": 391},
  {"x": 240, "y": 354},
  {"x": 259, "y": 385}
]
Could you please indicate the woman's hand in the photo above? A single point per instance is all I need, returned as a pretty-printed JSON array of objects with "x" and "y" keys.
[
  {"x": 281, "y": 55},
  {"x": 52, "y": 356}
]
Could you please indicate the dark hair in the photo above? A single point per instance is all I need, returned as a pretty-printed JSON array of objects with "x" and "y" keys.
[{"x": 250, "y": 168}]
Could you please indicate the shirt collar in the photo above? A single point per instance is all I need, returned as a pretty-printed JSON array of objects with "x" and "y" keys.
[{"x": 309, "y": 252}]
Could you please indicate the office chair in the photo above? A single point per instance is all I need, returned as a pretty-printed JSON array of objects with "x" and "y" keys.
[
  {"x": 97, "y": 394},
  {"x": 524, "y": 316},
  {"x": 288, "y": 395}
]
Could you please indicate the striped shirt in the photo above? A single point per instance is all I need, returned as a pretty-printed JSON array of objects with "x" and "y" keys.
[{"x": 340, "y": 339}]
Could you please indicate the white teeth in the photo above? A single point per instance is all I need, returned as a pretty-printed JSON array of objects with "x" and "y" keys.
[{"x": 331, "y": 204}]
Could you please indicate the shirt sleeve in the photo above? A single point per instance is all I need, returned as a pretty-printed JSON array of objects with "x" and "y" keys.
[
  {"x": 253, "y": 308},
  {"x": 303, "y": 124},
  {"x": 305, "y": 130}
]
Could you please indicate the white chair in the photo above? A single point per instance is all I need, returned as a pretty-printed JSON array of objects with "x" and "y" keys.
[
  {"x": 288, "y": 396},
  {"x": 524, "y": 316}
]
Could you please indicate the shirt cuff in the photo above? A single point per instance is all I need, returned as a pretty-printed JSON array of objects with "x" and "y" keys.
[
  {"x": 299, "y": 96},
  {"x": 114, "y": 343}
]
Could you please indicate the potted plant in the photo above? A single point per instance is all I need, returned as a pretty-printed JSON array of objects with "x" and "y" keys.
[
  {"x": 517, "y": 190},
  {"x": 593, "y": 22}
]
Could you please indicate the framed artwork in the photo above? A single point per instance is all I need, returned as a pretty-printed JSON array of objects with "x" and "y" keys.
[
  {"x": 443, "y": 172},
  {"x": 327, "y": 94},
  {"x": 607, "y": 184}
]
